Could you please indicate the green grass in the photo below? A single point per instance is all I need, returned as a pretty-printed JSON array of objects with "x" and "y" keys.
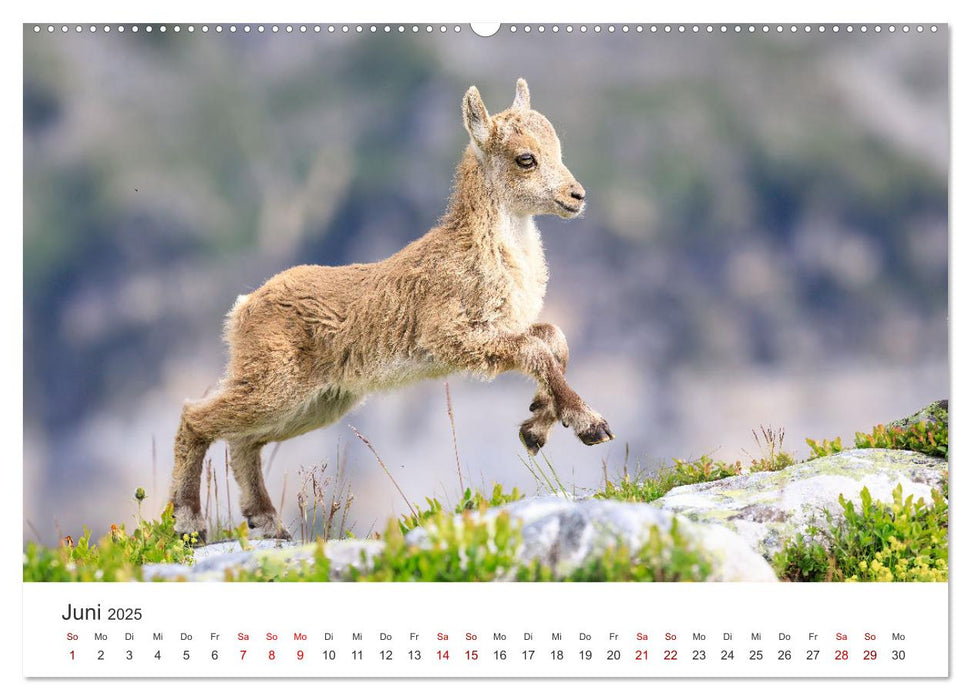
[{"x": 682, "y": 473}]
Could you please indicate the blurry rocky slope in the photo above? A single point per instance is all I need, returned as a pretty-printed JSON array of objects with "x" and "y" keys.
[{"x": 766, "y": 240}]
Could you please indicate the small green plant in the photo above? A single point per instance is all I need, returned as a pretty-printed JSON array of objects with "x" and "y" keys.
[
  {"x": 639, "y": 490},
  {"x": 804, "y": 558},
  {"x": 905, "y": 540},
  {"x": 471, "y": 500},
  {"x": 476, "y": 500},
  {"x": 465, "y": 548},
  {"x": 407, "y": 523},
  {"x": 772, "y": 457},
  {"x": 705, "y": 469},
  {"x": 928, "y": 437},
  {"x": 117, "y": 556},
  {"x": 664, "y": 557},
  {"x": 825, "y": 447},
  {"x": 240, "y": 534}
]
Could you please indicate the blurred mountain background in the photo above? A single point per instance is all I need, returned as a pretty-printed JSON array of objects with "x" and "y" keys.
[{"x": 766, "y": 241}]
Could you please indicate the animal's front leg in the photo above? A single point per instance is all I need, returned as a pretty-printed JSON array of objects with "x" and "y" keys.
[
  {"x": 535, "y": 431},
  {"x": 533, "y": 356}
]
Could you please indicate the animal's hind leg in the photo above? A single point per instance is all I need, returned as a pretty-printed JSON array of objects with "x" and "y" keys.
[
  {"x": 535, "y": 431},
  {"x": 190, "y": 451},
  {"x": 244, "y": 457},
  {"x": 232, "y": 411}
]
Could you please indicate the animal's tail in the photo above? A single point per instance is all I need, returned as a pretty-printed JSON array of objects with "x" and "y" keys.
[{"x": 234, "y": 317}]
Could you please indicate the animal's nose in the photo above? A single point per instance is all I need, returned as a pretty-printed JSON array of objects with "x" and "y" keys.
[{"x": 577, "y": 192}]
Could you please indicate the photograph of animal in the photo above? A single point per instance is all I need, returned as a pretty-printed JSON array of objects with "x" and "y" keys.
[{"x": 313, "y": 341}]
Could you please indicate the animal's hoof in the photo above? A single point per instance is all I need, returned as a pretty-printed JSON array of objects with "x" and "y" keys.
[
  {"x": 280, "y": 533},
  {"x": 532, "y": 442},
  {"x": 267, "y": 527},
  {"x": 597, "y": 433}
]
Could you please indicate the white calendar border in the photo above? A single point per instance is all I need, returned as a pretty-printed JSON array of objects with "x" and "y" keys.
[{"x": 507, "y": 10}]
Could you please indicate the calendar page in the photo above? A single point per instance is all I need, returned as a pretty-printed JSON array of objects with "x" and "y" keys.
[{"x": 552, "y": 350}]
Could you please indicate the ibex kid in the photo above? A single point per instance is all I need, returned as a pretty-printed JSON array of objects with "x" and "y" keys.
[{"x": 313, "y": 341}]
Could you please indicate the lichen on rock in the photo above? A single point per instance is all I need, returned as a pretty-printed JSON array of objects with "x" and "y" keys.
[{"x": 768, "y": 508}]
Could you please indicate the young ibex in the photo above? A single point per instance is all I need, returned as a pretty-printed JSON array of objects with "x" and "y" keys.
[{"x": 313, "y": 341}]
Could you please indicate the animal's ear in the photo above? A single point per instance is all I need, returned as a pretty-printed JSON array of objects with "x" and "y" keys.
[
  {"x": 522, "y": 95},
  {"x": 475, "y": 116}
]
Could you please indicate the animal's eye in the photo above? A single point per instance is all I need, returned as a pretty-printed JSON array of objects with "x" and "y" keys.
[{"x": 526, "y": 160}]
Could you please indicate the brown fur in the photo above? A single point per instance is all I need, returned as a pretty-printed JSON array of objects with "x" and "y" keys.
[{"x": 313, "y": 341}]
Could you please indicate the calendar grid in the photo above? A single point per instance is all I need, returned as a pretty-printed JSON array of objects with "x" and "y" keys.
[{"x": 486, "y": 630}]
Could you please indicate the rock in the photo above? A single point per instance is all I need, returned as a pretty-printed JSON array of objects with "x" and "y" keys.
[
  {"x": 767, "y": 508},
  {"x": 564, "y": 534},
  {"x": 577, "y": 533},
  {"x": 932, "y": 413}
]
